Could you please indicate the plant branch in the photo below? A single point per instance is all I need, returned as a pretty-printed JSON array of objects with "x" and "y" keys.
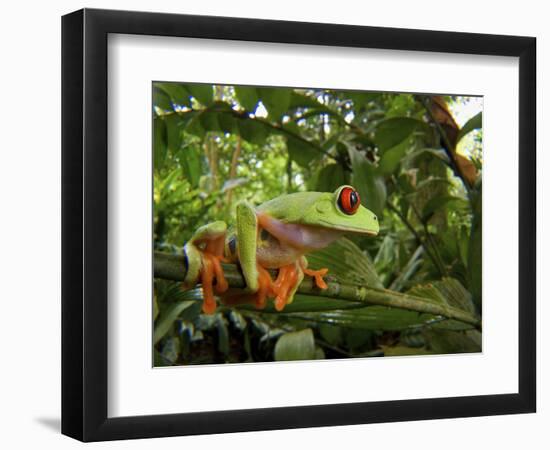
[
  {"x": 173, "y": 267},
  {"x": 448, "y": 147}
]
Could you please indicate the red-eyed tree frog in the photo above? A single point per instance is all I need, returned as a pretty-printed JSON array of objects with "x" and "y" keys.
[{"x": 275, "y": 235}]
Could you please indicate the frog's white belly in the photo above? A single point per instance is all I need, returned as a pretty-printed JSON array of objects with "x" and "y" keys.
[{"x": 272, "y": 253}]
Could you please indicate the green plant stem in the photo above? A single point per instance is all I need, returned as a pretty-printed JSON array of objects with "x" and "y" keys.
[
  {"x": 173, "y": 267},
  {"x": 429, "y": 238},
  {"x": 419, "y": 239}
]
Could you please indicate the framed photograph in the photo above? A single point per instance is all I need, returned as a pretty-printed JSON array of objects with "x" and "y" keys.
[{"x": 273, "y": 225}]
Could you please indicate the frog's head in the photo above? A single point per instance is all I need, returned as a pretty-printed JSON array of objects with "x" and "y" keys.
[{"x": 341, "y": 210}]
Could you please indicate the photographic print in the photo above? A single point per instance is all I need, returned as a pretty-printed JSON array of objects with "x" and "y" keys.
[{"x": 307, "y": 224}]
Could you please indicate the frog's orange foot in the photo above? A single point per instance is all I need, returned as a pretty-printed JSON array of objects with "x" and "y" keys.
[
  {"x": 212, "y": 278},
  {"x": 318, "y": 275},
  {"x": 265, "y": 288},
  {"x": 284, "y": 285}
]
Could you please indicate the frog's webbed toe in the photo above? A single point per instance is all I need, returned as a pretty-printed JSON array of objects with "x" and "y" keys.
[
  {"x": 286, "y": 284},
  {"x": 205, "y": 253},
  {"x": 318, "y": 275},
  {"x": 212, "y": 279},
  {"x": 265, "y": 288}
]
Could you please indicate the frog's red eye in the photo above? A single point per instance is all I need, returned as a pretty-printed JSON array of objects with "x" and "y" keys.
[{"x": 349, "y": 200}]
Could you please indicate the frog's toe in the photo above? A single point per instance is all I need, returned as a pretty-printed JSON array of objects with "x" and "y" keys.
[
  {"x": 285, "y": 286},
  {"x": 318, "y": 275},
  {"x": 212, "y": 279},
  {"x": 207, "y": 281},
  {"x": 265, "y": 288}
]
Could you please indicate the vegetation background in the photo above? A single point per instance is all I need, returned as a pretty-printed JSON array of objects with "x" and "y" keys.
[{"x": 412, "y": 164}]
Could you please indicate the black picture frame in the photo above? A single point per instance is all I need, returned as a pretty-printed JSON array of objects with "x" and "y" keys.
[{"x": 84, "y": 224}]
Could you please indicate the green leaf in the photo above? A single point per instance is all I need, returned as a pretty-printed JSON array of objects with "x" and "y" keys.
[
  {"x": 305, "y": 101},
  {"x": 435, "y": 153},
  {"x": 173, "y": 133},
  {"x": 194, "y": 126},
  {"x": 295, "y": 346},
  {"x": 252, "y": 131},
  {"x": 402, "y": 350},
  {"x": 392, "y": 158},
  {"x": 275, "y": 100},
  {"x": 247, "y": 97},
  {"x": 448, "y": 341},
  {"x": 155, "y": 307},
  {"x": 159, "y": 360},
  {"x": 371, "y": 187},
  {"x": 472, "y": 124},
  {"x": 410, "y": 268},
  {"x": 372, "y": 318},
  {"x": 394, "y": 131},
  {"x": 475, "y": 249},
  {"x": 228, "y": 123},
  {"x": 361, "y": 99},
  {"x": 447, "y": 291},
  {"x": 190, "y": 160},
  {"x": 209, "y": 121},
  {"x": 178, "y": 94},
  {"x": 439, "y": 202},
  {"x": 332, "y": 334},
  {"x": 202, "y": 92},
  {"x": 310, "y": 303},
  {"x": 161, "y": 99},
  {"x": 330, "y": 178},
  {"x": 167, "y": 318},
  {"x": 347, "y": 262},
  {"x": 159, "y": 142},
  {"x": 401, "y": 105},
  {"x": 302, "y": 151},
  {"x": 455, "y": 294},
  {"x": 223, "y": 335},
  {"x": 171, "y": 349}
]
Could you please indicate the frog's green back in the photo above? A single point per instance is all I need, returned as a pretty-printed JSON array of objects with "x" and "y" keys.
[
  {"x": 320, "y": 209},
  {"x": 291, "y": 208}
]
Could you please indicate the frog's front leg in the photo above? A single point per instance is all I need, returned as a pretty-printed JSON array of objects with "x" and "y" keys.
[
  {"x": 257, "y": 278},
  {"x": 205, "y": 252}
]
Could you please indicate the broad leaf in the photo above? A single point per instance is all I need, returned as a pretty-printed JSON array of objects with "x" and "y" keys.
[
  {"x": 331, "y": 177},
  {"x": 302, "y": 151},
  {"x": 161, "y": 99},
  {"x": 178, "y": 94},
  {"x": 253, "y": 131},
  {"x": 202, "y": 92},
  {"x": 209, "y": 121},
  {"x": 275, "y": 100},
  {"x": 369, "y": 318},
  {"x": 247, "y": 97},
  {"x": 173, "y": 133},
  {"x": 295, "y": 346},
  {"x": 190, "y": 160},
  {"x": 167, "y": 318},
  {"x": 159, "y": 144},
  {"x": 439, "y": 202},
  {"x": 394, "y": 131},
  {"x": 371, "y": 186},
  {"x": 346, "y": 262},
  {"x": 472, "y": 124},
  {"x": 391, "y": 158}
]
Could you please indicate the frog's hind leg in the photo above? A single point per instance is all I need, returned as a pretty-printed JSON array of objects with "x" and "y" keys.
[
  {"x": 259, "y": 298},
  {"x": 205, "y": 252}
]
